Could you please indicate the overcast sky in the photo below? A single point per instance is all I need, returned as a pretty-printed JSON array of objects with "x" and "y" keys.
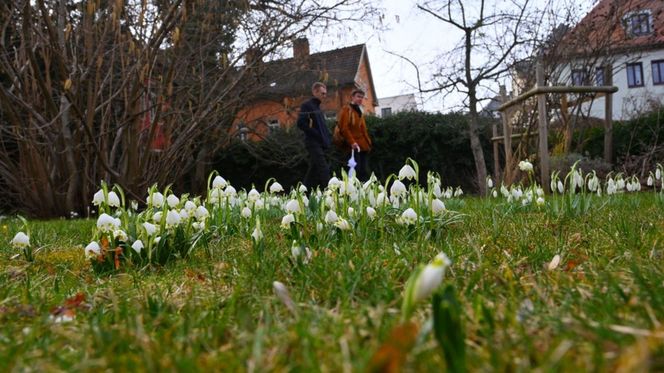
[{"x": 412, "y": 33}]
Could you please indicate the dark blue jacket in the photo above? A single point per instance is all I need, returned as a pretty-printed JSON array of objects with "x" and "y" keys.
[{"x": 312, "y": 122}]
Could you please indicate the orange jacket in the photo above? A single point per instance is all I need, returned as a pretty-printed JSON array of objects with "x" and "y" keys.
[{"x": 353, "y": 128}]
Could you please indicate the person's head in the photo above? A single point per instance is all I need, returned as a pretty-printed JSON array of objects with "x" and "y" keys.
[
  {"x": 319, "y": 90},
  {"x": 357, "y": 96}
]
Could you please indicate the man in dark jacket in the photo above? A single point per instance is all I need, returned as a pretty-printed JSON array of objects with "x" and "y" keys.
[{"x": 317, "y": 137}]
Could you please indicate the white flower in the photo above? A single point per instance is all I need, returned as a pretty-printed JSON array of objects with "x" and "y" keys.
[
  {"x": 156, "y": 240},
  {"x": 107, "y": 223},
  {"x": 201, "y": 213},
  {"x": 561, "y": 187},
  {"x": 437, "y": 206},
  {"x": 121, "y": 235},
  {"x": 230, "y": 191},
  {"x": 172, "y": 219},
  {"x": 436, "y": 191},
  {"x": 253, "y": 195},
  {"x": 134, "y": 205},
  {"x": 298, "y": 250},
  {"x": 351, "y": 212},
  {"x": 292, "y": 206},
  {"x": 334, "y": 183},
  {"x": 157, "y": 217},
  {"x": 302, "y": 189},
  {"x": 172, "y": 200},
  {"x": 649, "y": 182},
  {"x": 331, "y": 217},
  {"x": 526, "y": 166},
  {"x": 189, "y": 206},
  {"x": 258, "y": 205},
  {"x": 658, "y": 173},
  {"x": 156, "y": 199},
  {"x": 98, "y": 198},
  {"x": 137, "y": 246},
  {"x": 409, "y": 217},
  {"x": 489, "y": 183},
  {"x": 281, "y": 292},
  {"x": 407, "y": 172},
  {"x": 20, "y": 240},
  {"x": 184, "y": 214},
  {"x": 92, "y": 250},
  {"x": 494, "y": 193},
  {"x": 287, "y": 220},
  {"x": 246, "y": 212},
  {"x": 397, "y": 189},
  {"x": 371, "y": 212},
  {"x": 430, "y": 277},
  {"x": 276, "y": 188},
  {"x": 458, "y": 192},
  {"x": 150, "y": 229},
  {"x": 113, "y": 199},
  {"x": 219, "y": 182},
  {"x": 540, "y": 201},
  {"x": 257, "y": 234},
  {"x": 342, "y": 224}
]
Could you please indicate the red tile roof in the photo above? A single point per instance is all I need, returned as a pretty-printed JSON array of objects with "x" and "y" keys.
[{"x": 603, "y": 29}]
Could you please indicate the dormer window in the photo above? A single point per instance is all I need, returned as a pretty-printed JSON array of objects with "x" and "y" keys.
[{"x": 638, "y": 23}]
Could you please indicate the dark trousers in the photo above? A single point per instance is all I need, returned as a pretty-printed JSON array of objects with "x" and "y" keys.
[
  {"x": 362, "y": 167},
  {"x": 318, "y": 173}
]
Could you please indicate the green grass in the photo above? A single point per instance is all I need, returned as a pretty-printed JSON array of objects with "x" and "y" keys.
[{"x": 601, "y": 309}]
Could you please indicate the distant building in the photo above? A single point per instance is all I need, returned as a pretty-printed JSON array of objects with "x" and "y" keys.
[
  {"x": 284, "y": 84},
  {"x": 391, "y": 105}
]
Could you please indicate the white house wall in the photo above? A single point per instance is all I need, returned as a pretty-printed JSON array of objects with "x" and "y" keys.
[{"x": 627, "y": 102}]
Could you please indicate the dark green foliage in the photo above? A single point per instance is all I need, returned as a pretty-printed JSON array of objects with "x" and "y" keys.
[{"x": 448, "y": 328}]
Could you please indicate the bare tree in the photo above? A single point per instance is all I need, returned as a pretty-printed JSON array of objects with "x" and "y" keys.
[
  {"x": 493, "y": 36},
  {"x": 131, "y": 92}
]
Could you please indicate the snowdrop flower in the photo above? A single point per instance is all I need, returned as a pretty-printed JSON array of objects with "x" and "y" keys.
[
  {"x": 281, "y": 291},
  {"x": 397, "y": 189},
  {"x": 201, "y": 213},
  {"x": 540, "y": 201},
  {"x": 407, "y": 172},
  {"x": 430, "y": 278},
  {"x": 593, "y": 183},
  {"x": 246, "y": 212},
  {"x": 92, "y": 250},
  {"x": 287, "y": 220},
  {"x": 157, "y": 217},
  {"x": 300, "y": 251},
  {"x": 620, "y": 184},
  {"x": 20, "y": 241},
  {"x": 219, "y": 182},
  {"x": 257, "y": 234},
  {"x": 172, "y": 200},
  {"x": 276, "y": 188},
  {"x": 172, "y": 219},
  {"x": 259, "y": 205},
  {"x": 189, "y": 206},
  {"x": 458, "y": 192},
  {"x": 292, "y": 206},
  {"x": 331, "y": 217},
  {"x": 215, "y": 196},
  {"x": 342, "y": 224},
  {"x": 137, "y": 246},
  {"x": 489, "y": 182},
  {"x": 302, "y": 188},
  {"x": 150, "y": 228},
  {"x": 380, "y": 199},
  {"x": 371, "y": 212},
  {"x": 448, "y": 193},
  {"x": 184, "y": 214},
  {"x": 561, "y": 187},
  {"x": 107, "y": 223},
  {"x": 157, "y": 239},
  {"x": 494, "y": 193},
  {"x": 649, "y": 182},
  {"x": 98, "y": 198},
  {"x": 658, "y": 173},
  {"x": 610, "y": 187},
  {"x": 134, "y": 205},
  {"x": 198, "y": 226},
  {"x": 351, "y": 212},
  {"x": 113, "y": 199},
  {"x": 253, "y": 195},
  {"x": 121, "y": 235},
  {"x": 437, "y": 206},
  {"x": 526, "y": 166},
  {"x": 156, "y": 199},
  {"x": 334, "y": 183},
  {"x": 504, "y": 191},
  {"x": 230, "y": 191},
  {"x": 409, "y": 217}
]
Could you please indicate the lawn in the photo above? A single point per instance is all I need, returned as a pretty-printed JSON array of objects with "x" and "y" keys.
[{"x": 574, "y": 282}]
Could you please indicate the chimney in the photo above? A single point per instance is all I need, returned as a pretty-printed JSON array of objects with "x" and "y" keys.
[{"x": 300, "y": 48}]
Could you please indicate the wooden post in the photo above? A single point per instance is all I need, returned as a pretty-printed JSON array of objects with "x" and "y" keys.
[
  {"x": 543, "y": 131},
  {"x": 507, "y": 137},
  {"x": 608, "y": 116},
  {"x": 496, "y": 149}
]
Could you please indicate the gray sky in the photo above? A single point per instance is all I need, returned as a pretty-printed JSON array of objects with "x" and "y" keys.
[{"x": 414, "y": 34}]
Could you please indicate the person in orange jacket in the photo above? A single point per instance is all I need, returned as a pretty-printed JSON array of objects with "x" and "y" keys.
[{"x": 353, "y": 128}]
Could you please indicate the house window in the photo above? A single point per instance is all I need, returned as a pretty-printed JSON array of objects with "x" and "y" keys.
[
  {"x": 634, "y": 75},
  {"x": 385, "y": 112},
  {"x": 658, "y": 72},
  {"x": 638, "y": 23},
  {"x": 579, "y": 77},
  {"x": 599, "y": 76}
]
